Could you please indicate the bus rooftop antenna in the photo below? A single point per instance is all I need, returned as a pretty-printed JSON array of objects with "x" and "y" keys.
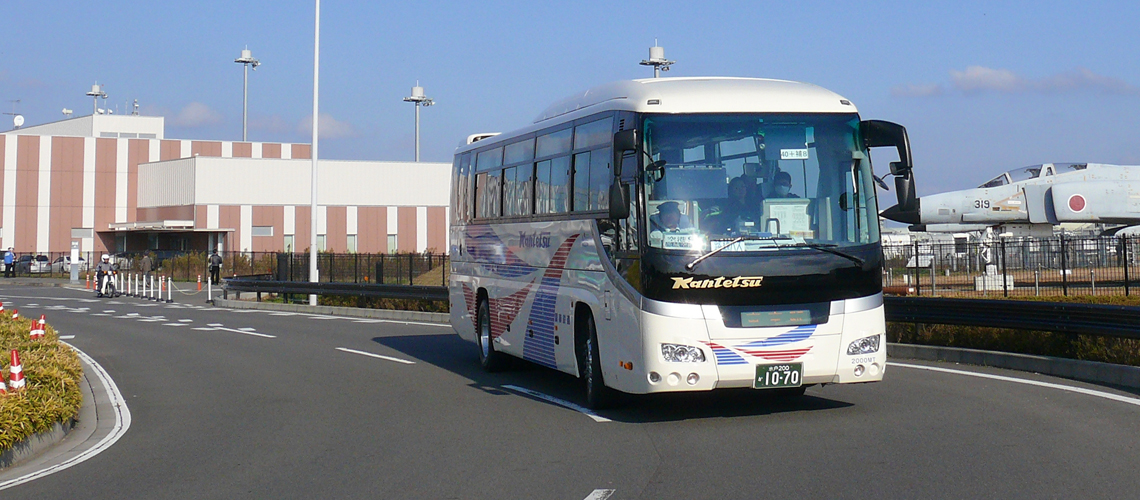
[{"x": 657, "y": 60}]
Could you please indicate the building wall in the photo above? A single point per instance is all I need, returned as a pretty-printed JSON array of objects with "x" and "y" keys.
[{"x": 52, "y": 185}]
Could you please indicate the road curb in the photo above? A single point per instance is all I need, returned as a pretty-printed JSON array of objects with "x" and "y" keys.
[
  {"x": 1085, "y": 371},
  {"x": 356, "y": 312},
  {"x": 35, "y": 444}
]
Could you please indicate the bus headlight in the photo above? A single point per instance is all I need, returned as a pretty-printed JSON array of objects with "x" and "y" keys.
[
  {"x": 679, "y": 353},
  {"x": 865, "y": 345}
]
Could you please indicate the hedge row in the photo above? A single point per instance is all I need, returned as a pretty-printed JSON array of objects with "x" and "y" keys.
[{"x": 52, "y": 375}]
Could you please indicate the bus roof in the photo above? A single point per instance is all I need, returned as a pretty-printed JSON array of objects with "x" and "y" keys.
[
  {"x": 687, "y": 95},
  {"x": 703, "y": 95}
]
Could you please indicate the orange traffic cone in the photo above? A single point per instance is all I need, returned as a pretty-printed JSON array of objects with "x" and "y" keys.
[
  {"x": 1, "y": 307},
  {"x": 42, "y": 321},
  {"x": 15, "y": 314},
  {"x": 3, "y": 387},
  {"x": 37, "y": 330},
  {"x": 16, "y": 372}
]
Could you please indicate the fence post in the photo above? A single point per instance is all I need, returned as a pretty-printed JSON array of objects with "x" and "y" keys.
[
  {"x": 380, "y": 271},
  {"x": 1064, "y": 268},
  {"x": 411, "y": 264},
  {"x": 1126, "y": 262},
  {"x": 917, "y": 288},
  {"x": 1004, "y": 282}
]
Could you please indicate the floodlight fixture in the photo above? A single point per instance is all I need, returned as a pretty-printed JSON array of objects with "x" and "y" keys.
[
  {"x": 657, "y": 60},
  {"x": 246, "y": 60},
  {"x": 418, "y": 99}
]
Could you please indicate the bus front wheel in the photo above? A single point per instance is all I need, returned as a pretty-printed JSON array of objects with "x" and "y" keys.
[{"x": 489, "y": 359}]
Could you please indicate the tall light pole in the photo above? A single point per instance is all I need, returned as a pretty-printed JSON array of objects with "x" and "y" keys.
[
  {"x": 95, "y": 93},
  {"x": 657, "y": 60},
  {"x": 316, "y": 112},
  {"x": 418, "y": 99},
  {"x": 245, "y": 60}
]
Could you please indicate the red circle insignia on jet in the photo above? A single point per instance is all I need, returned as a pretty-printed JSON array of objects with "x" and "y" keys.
[{"x": 1076, "y": 203}]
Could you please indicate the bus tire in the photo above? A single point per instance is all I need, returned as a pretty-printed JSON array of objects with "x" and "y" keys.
[
  {"x": 489, "y": 359},
  {"x": 598, "y": 396}
]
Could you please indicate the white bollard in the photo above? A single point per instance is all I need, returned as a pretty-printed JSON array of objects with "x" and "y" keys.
[
  {"x": 151, "y": 295},
  {"x": 169, "y": 290},
  {"x": 210, "y": 290}
]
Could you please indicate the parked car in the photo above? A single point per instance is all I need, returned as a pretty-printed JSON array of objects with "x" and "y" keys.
[
  {"x": 62, "y": 265},
  {"x": 33, "y": 264}
]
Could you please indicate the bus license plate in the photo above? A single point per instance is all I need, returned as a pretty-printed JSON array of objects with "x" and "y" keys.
[{"x": 775, "y": 376}]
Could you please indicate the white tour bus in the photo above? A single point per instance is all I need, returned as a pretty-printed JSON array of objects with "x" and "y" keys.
[{"x": 678, "y": 234}]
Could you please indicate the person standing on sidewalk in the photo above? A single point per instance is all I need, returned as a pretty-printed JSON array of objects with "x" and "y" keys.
[
  {"x": 9, "y": 263},
  {"x": 145, "y": 266},
  {"x": 215, "y": 267}
]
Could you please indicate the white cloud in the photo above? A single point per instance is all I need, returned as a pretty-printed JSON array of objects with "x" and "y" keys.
[
  {"x": 980, "y": 79},
  {"x": 330, "y": 128},
  {"x": 196, "y": 114},
  {"x": 274, "y": 124},
  {"x": 925, "y": 90}
]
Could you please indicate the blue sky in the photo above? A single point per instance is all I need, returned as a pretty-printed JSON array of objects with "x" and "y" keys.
[{"x": 982, "y": 87}]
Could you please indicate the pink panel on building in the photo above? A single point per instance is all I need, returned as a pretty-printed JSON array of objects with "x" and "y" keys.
[
  {"x": 3, "y": 168},
  {"x": 66, "y": 190},
  {"x": 437, "y": 230},
  {"x": 269, "y": 216},
  {"x": 106, "y": 155},
  {"x": 336, "y": 220},
  {"x": 170, "y": 150},
  {"x": 270, "y": 150},
  {"x": 302, "y": 225},
  {"x": 243, "y": 150},
  {"x": 371, "y": 230},
  {"x": 182, "y": 212},
  {"x": 229, "y": 217},
  {"x": 27, "y": 192},
  {"x": 302, "y": 151},
  {"x": 406, "y": 229},
  {"x": 138, "y": 151},
  {"x": 205, "y": 148}
]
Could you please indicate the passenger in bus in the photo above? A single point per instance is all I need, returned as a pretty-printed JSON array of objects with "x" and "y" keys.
[
  {"x": 782, "y": 186},
  {"x": 668, "y": 218},
  {"x": 736, "y": 208}
]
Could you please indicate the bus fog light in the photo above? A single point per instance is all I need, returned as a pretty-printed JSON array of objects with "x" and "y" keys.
[
  {"x": 865, "y": 345},
  {"x": 859, "y": 370},
  {"x": 674, "y": 378},
  {"x": 693, "y": 378},
  {"x": 679, "y": 353},
  {"x": 654, "y": 377},
  {"x": 874, "y": 369}
]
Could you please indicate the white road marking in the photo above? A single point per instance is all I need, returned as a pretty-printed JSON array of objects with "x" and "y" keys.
[
  {"x": 559, "y": 402},
  {"x": 108, "y": 310},
  {"x": 600, "y": 494},
  {"x": 186, "y": 320},
  {"x": 174, "y": 324},
  {"x": 66, "y": 337},
  {"x": 122, "y": 422},
  {"x": 389, "y": 358},
  {"x": 1079, "y": 390},
  {"x": 213, "y": 324}
]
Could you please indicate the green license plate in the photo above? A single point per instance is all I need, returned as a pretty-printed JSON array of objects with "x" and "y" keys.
[{"x": 782, "y": 375}]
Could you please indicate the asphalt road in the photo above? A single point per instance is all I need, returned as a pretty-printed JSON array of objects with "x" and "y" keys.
[{"x": 256, "y": 404}]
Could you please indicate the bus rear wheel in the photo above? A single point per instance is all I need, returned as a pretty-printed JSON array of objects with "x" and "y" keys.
[
  {"x": 598, "y": 396},
  {"x": 489, "y": 359}
]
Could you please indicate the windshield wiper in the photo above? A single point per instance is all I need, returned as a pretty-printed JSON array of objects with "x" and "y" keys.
[{"x": 826, "y": 248}]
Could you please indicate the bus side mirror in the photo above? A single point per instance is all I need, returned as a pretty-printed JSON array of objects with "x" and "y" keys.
[
  {"x": 625, "y": 142},
  {"x": 879, "y": 133},
  {"x": 619, "y": 200}
]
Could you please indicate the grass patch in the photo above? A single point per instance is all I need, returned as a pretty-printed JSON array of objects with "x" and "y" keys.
[
  {"x": 1056, "y": 344},
  {"x": 51, "y": 375}
]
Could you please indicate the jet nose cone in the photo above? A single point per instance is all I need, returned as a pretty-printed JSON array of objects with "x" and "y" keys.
[{"x": 898, "y": 215}]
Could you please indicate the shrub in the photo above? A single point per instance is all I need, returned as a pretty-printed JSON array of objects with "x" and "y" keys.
[{"x": 52, "y": 375}]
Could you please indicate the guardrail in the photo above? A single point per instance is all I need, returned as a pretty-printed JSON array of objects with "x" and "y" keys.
[
  {"x": 1090, "y": 319},
  {"x": 255, "y": 284}
]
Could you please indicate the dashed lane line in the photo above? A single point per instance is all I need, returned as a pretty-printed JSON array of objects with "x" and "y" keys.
[
  {"x": 600, "y": 494},
  {"x": 373, "y": 355}
]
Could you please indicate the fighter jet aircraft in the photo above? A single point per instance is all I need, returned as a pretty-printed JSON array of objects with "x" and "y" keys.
[{"x": 1028, "y": 201}]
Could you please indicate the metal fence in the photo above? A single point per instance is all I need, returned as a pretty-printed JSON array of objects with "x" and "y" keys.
[
  {"x": 1012, "y": 267},
  {"x": 395, "y": 269}
]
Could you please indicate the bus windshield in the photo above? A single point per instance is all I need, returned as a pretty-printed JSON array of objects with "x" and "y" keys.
[{"x": 757, "y": 182}]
